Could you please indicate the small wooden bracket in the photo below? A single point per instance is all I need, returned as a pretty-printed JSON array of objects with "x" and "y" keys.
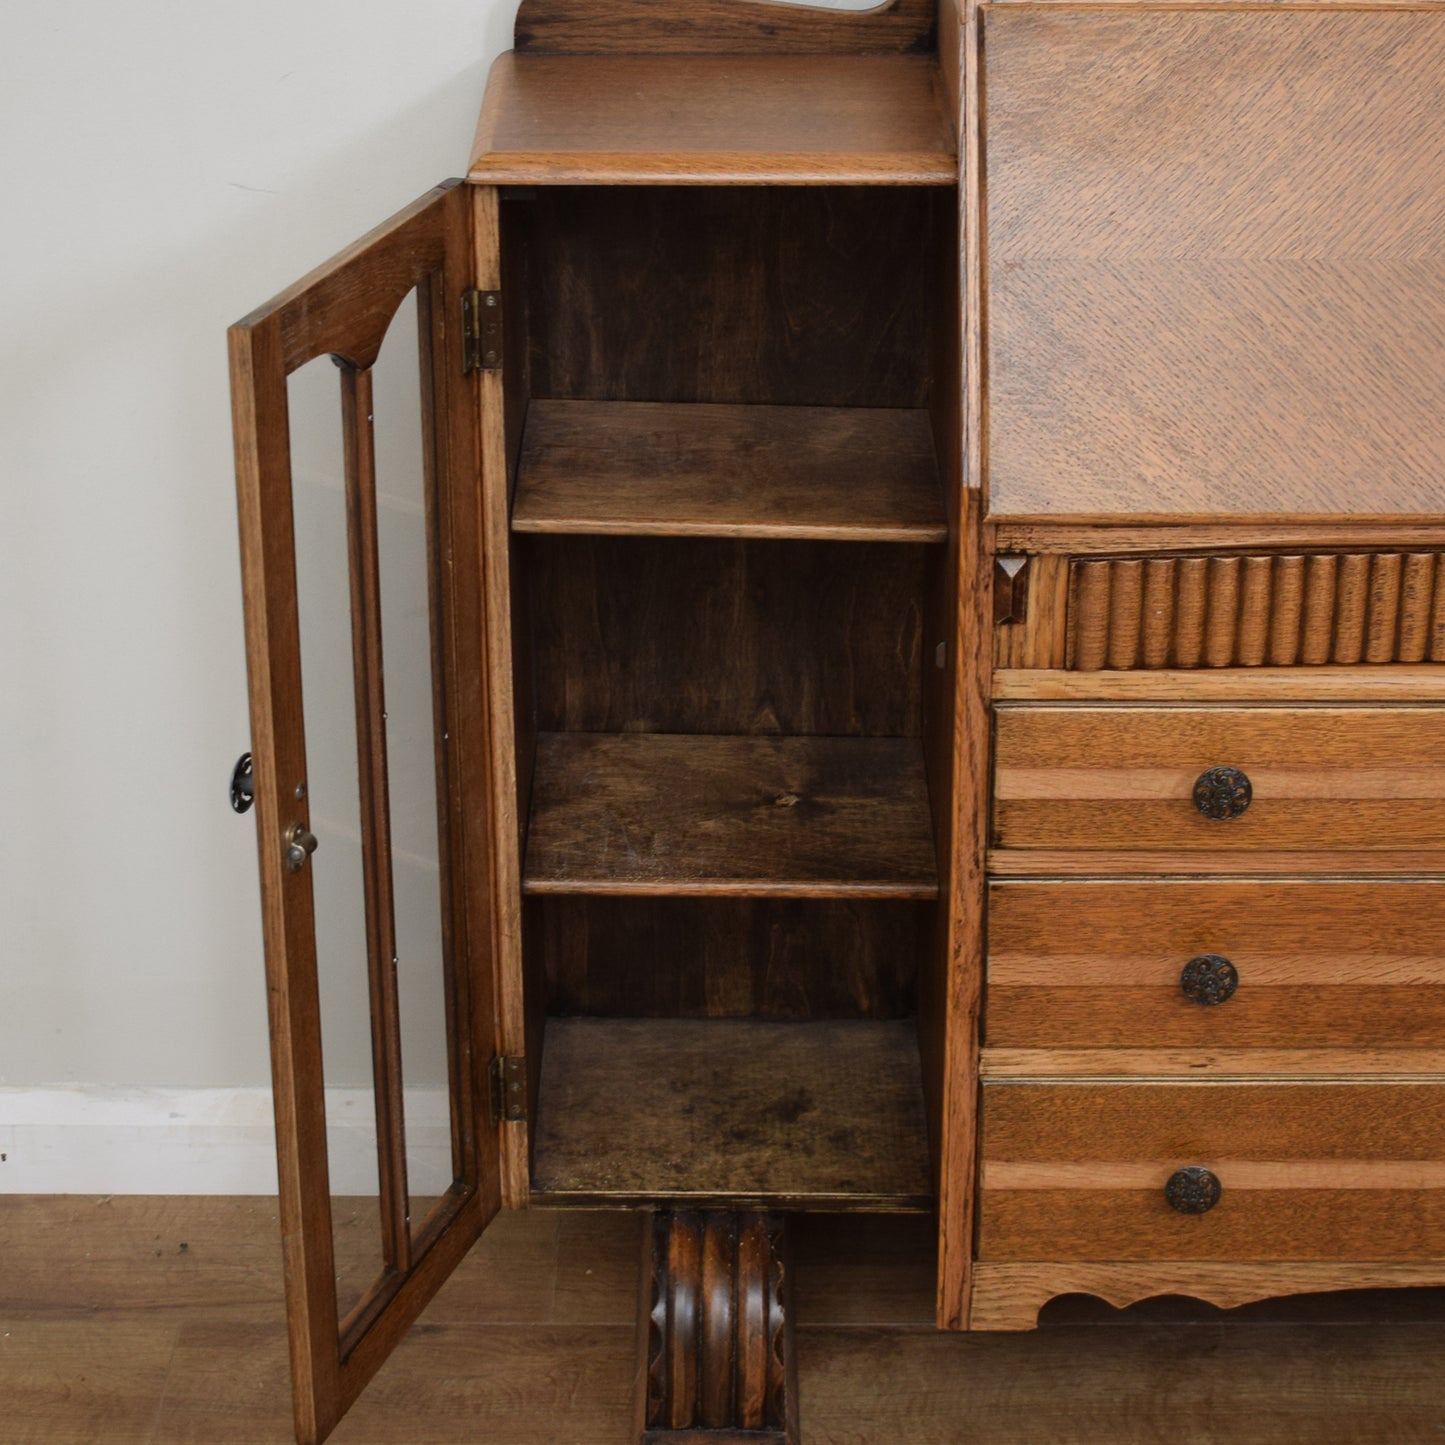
[
  {"x": 716, "y": 1360},
  {"x": 1010, "y": 589}
]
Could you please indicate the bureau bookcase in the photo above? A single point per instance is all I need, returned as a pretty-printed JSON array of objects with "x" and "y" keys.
[{"x": 934, "y": 531}]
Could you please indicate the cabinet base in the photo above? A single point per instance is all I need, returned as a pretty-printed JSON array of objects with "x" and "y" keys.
[
  {"x": 715, "y": 1333},
  {"x": 1010, "y": 1296}
]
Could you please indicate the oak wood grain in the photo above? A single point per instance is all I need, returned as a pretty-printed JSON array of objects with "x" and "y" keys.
[
  {"x": 780, "y": 817},
  {"x": 1084, "y": 1121},
  {"x": 714, "y": 119},
  {"x": 762, "y": 295},
  {"x": 1310, "y": 609},
  {"x": 1113, "y": 535},
  {"x": 726, "y": 635},
  {"x": 1395, "y": 1225},
  {"x": 1101, "y": 862},
  {"x": 1321, "y": 966},
  {"x": 677, "y": 470},
  {"x": 1361, "y": 779},
  {"x": 777, "y": 958},
  {"x": 1396, "y": 683},
  {"x": 726, "y": 1112},
  {"x": 1229, "y": 338},
  {"x": 1338, "y": 1065},
  {"x": 730, "y": 27},
  {"x": 1310, "y": 1171},
  {"x": 1009, "y": 1296}
]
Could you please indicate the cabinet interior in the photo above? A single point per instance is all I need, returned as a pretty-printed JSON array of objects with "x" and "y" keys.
[{"x": 729, "y": 428}]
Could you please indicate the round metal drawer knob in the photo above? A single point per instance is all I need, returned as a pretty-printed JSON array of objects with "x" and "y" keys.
[
  {"x": 1222, "y": 793},
  {"x": 1193, "y": 1190},
  {"x": 1209, "y": 979}
]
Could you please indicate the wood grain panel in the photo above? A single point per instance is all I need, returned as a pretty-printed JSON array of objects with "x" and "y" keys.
[
  {"x": 782, "y": 817},
  {"x": 1009, "y": 1296},
  {"x": 1393, "y": 684},
  {"x": 1112, "y": 536},
  {"x": 1226, "y": 336},
  {"x": 1244, "y": 611},
  {"x": 1039, "y": 638},
  {"x": 1254, "y": 1062},
  {"x": 1127, "y": 1224},
  {"x": 783, "y": 296},
  {"x": 726, "y": 636},
  {"x": 1309, "y": 1171},
  {"x": 1122, "y": 778},
  {"x": 728, "y": 958},
  {"x": 730, "y": 1111},
  {"x": 842, "y": 474},
  {"x": 660, "y": 27},
  {"x": 1194, "y": 1122},
  {"x": 1321, "y": 965},
  {"x": 714, "y": 119}
]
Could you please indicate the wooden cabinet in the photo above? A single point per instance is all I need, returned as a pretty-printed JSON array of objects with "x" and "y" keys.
[{"x": 935, "y": 625}]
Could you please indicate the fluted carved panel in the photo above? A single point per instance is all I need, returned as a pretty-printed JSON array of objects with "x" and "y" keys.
[
  {"x": 715, "y": 1331},
  {"x": 1302, "y": 609}
]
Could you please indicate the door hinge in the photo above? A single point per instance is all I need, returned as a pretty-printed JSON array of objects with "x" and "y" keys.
[
  {"x": 481, "y": 331},
  {"x": 507, "y": 1085}
]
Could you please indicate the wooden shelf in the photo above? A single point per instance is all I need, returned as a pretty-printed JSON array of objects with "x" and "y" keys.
[
  {"x": 650, "y": 813},
  {"x": 731, "y": 1111},
  {"x": 700, "y": 470},
  {"x": 711, "y": 119}
]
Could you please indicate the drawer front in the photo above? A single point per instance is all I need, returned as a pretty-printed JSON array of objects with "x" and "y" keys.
[
  {"x": 1124, "y": 779},
  {"x": 1114, "y": 965},
  {"x": 1306, "y": 1171}
]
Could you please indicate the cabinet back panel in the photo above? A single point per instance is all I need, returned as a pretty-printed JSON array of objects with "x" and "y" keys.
[
  {"x": 724, "y": 636},
  {"x": 812, "y": 296},
  {"x": 727, "y": 958}
]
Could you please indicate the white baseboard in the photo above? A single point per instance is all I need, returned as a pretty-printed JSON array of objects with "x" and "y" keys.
[{"x": 89, "y": 1140}]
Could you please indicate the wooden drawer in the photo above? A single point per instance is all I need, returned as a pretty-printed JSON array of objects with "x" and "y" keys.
[
  {"x": 1075, "y": 1171},
  {"x": 1122, "y": 780},
  {"x": 1351, "y": 973}
]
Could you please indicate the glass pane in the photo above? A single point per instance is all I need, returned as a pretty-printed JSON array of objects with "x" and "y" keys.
[
  {"x": 324, "y": 602},
  {"x": 412, "y": 736}
]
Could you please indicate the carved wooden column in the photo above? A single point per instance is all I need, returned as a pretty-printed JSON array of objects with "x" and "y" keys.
[{"x": 715, "y": 1332}]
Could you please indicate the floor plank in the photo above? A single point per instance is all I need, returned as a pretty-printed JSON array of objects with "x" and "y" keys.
[
  {"x": 1191, "y": 1385},
  {"x": 70, "y": 1382},
  {"x": 110, "y": 1331}
]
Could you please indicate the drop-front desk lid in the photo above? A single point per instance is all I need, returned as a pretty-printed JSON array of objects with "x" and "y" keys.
[
  {"x": 715, "y": 119},
  {"x": 1214, "y": 263}
]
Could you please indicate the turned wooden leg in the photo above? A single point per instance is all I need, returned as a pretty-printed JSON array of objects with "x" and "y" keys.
[{"x": 715, "y": 1332}]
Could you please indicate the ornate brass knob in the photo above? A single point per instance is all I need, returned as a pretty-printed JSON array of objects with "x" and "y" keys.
[
  {"x": 1222, "y": 793},
  {"x": 1193, "y": 1190},
  {"x": 1209, "y": 979},
  {"x": 300, "y": 845}
]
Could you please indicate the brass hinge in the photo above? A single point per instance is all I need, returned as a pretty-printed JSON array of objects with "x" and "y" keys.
[
  {"x": 481, "y": 331},
  {"x": 507, "y": 1085}
]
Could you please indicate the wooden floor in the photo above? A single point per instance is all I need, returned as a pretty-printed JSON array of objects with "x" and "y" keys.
[{"x": 139, "y": 1320}]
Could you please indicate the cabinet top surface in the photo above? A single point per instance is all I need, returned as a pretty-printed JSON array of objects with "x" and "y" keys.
[{"x": 710, "y": 119}]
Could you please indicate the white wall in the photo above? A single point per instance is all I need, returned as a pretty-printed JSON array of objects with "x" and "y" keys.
[{"x": 164, "y": 168}]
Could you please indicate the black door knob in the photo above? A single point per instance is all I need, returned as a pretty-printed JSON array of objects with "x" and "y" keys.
[
  {"x": 243, "y": 788},
  {"x": 1222, "y": 793},
  {"x": 1209, "y": 979},
  {"x": 1193, "y": 1190}
]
